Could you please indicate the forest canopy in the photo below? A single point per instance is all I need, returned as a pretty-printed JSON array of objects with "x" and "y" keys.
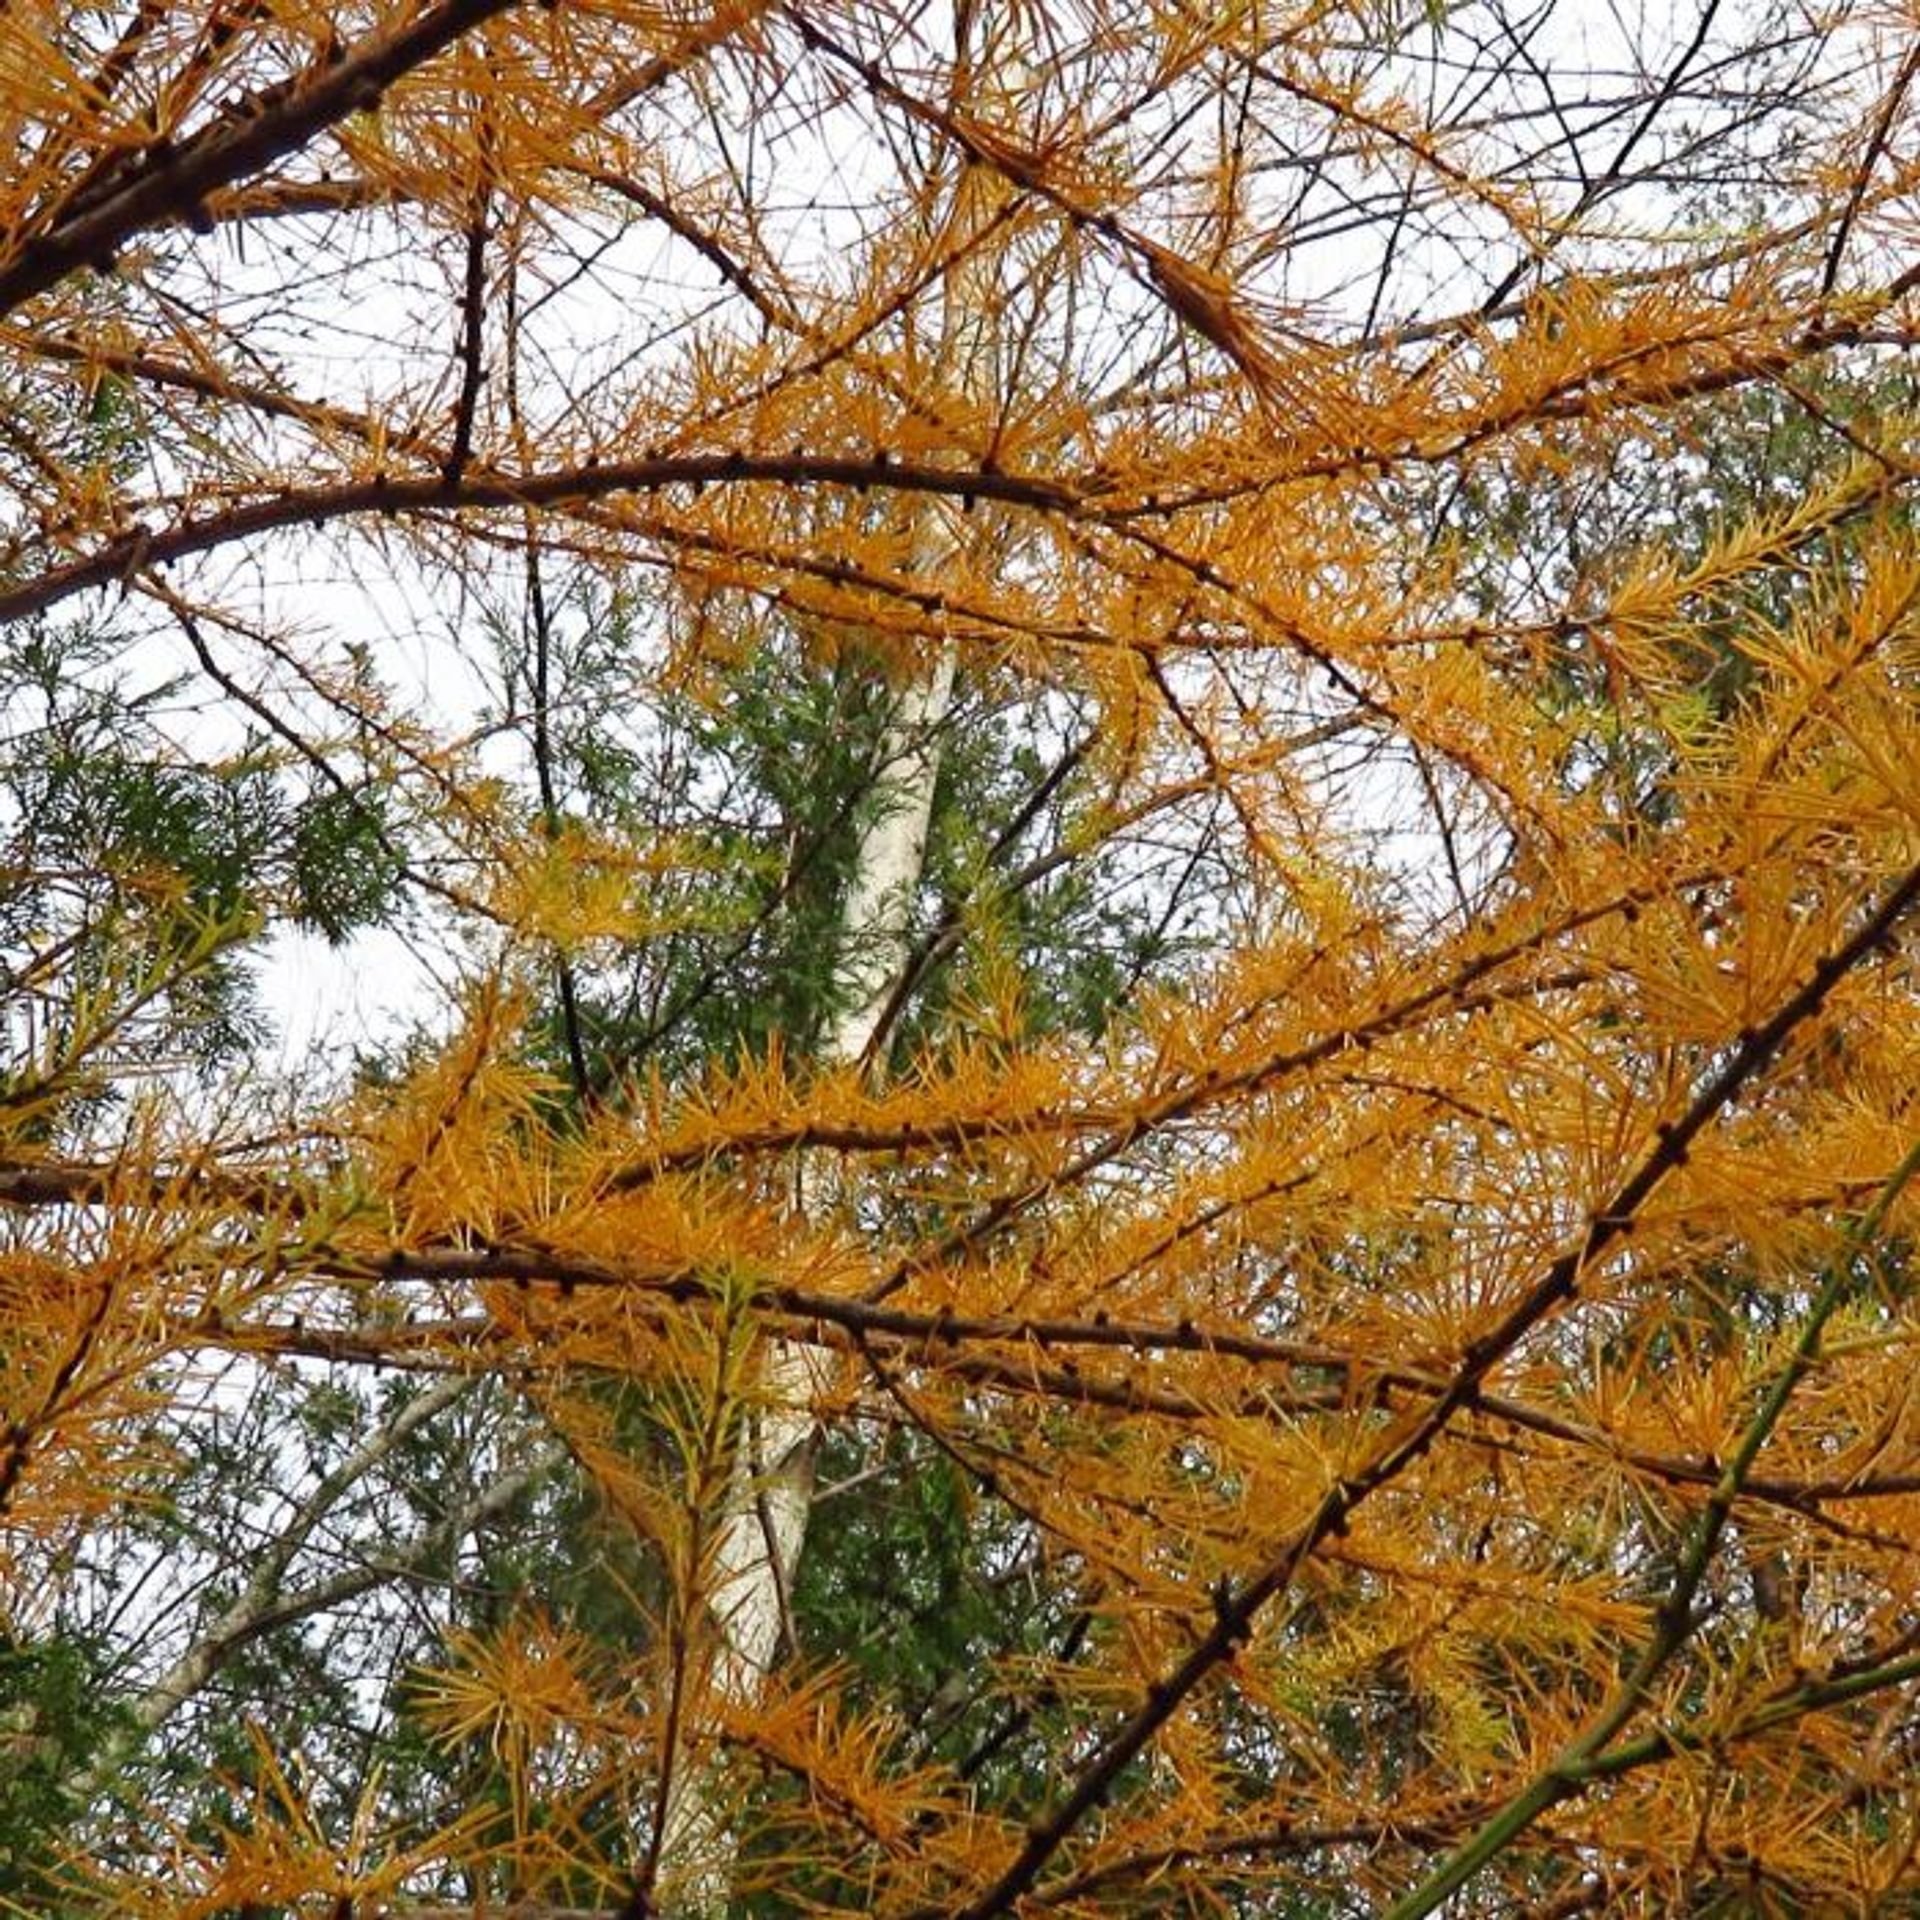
[{"x": 958, "y": 960}]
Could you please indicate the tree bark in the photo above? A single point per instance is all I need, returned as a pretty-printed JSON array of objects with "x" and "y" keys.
[{"x": 763, "y": 1525}]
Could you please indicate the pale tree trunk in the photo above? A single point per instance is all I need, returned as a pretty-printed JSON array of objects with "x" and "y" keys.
[
  {"x": 763, "y": 1524},
  {"x": 771, "y": 1488}
]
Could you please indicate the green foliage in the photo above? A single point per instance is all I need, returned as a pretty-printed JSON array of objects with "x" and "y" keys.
[
  {"x": 117, "y": 841},
  {"x": 343, "y": 865},
  {"x": 926, "y": 1594},
  {"x": 55, "y": 1716},
  {"x": 754, "y": 777}
]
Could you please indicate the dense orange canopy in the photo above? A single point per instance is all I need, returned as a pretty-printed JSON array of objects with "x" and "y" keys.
[{"x": 1429, "y": 489}]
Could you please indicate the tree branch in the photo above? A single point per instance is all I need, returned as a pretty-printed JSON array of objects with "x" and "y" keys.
[{"x": 170, "y": 181}]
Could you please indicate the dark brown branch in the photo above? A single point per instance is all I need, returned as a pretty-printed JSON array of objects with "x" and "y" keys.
[
  {"x": 473, "y": 1341},
  {"x": 248, "y": 136},
  {"x": 315, "y": 506},
  {"x": 1856, "y": 196},
  {"x": 64, "y": 1183},
  {"x": 472, "y": 327},
  {"x": 70, "y": 350},
  {"x": 1614, "y": 174}
]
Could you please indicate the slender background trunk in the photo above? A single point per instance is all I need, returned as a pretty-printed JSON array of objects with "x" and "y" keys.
[{"x": 763, "y": 1525}]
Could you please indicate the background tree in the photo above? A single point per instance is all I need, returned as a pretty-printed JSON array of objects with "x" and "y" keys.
[{"x": 1352, "y": 1290}]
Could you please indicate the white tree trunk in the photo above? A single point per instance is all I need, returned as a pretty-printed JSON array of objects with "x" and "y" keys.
[
  {"x": 763, "y": 1524},
  {"x": 772, "y": 1479},
  {"x": 770, "y": 1491}
]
